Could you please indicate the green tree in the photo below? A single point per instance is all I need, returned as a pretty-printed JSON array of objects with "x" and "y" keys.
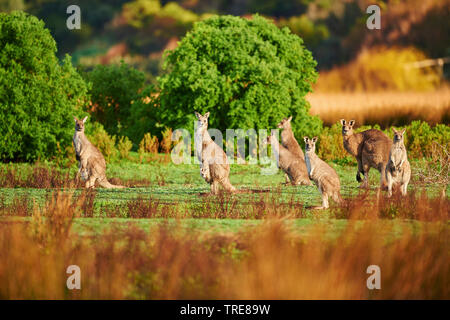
[
  {"x": 247, "y": 72},
  {"x": 144, "y": 117},
  {"x": 38, "y": 95},
  {"x": 114, "y": 89}
]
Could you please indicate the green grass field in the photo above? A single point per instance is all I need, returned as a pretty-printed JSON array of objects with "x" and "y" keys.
[
  {"x": 178, "y": 193},
  {"x": 166, "y": 237}
]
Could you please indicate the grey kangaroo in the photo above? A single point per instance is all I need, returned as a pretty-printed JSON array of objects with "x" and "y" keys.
[
  {"x": 290, "y": 143},
  {"x": 370, "y": 148},
  {"x": 214, "y": 166},
  {"x": 398, "y": 170},
  {"x": 324, "y": 176},
  {"x": 91, "y": 163}
]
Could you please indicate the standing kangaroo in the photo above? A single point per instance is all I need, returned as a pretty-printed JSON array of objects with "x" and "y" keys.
[
  {"x": 290, "y": 143},
  {"x": 398, "y": 169},
  {"x": 91, "y": 163},
  {"x": 370, "y": 148},
  {"x": 324, "y": 176},
  {"x": 214, "y": 166},
  {"x": 288, "y": 139},
  {"x": 290, "y": 163}
]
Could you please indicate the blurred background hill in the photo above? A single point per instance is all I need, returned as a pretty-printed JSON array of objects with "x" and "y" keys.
[{"x": 334, "y": 30}]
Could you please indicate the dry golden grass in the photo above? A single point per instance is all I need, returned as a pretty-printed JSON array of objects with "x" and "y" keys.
[{"x": 383, "y": 108}]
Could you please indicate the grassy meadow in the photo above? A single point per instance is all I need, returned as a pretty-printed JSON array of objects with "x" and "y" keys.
[{"x": 165, "y": 237}]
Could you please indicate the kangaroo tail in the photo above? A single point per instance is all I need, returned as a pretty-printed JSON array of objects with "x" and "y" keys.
[
  {"x": 228, "y": 186},
  {"x": 316, "y": 208},
  {"x": 338, "y": 198},
  {"x": 304, "y": 182},
  {"x": 106, "y": 184}
]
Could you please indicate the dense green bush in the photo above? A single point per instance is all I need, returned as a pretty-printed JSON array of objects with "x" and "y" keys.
[
  {"x": 247, "y": 72},
  {"x": 114, "y": 89},
  {"x": 124, "y": 146},
  {"x": 420, "y": 138},
  {"x": 330, "y": 145},
  {"x": 38, "y": 95}
]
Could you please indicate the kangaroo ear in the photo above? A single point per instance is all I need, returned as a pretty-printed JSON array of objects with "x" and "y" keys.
[
  {"x": 343, "y": 122},
  {"x": 314, "y": 139},
  {"x": 395, "y": 130},
  {"x": 207, "y": 114},
  {"x": 403, "y": 131},
  {"x": 306, "y": 139},
  {"x": 84, "y": 119},
  {"x": 198, "y": 115},
  {"x": 289, "y": 119},
  {"x": 75, "y": 119},
  {"x": 351, "y": 123}
]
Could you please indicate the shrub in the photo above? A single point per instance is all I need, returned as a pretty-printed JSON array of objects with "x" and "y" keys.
[
  {"x": 114, "y": 89},
  {"x": 247, "y": 72},
  {"x": 149, "y": 144},
  {"x": 420, "y": 138},
  {"x": 330, "y": 144},
  {"x": 38, "y": 95},
  {"x": 124, "y": 146},
  {"x": 166, "y": 142}
]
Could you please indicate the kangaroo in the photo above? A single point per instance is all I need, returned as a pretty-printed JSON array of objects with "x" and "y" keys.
[
  {"x": 214, "y": 166},
  {"x": 288, "y": 139},
  {"x": 370, "y": 148},
  {"x": 398, "y": 169},
  {"x": 324, "y": 176},
  {"x": 290, "y": 164},
  {"x": 91, "y": 163},
  {"x": 289, "y": 142}
]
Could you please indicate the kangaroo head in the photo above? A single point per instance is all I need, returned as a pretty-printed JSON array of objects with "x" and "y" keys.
[
  {"x": 347, "y": 127},
  {"x": 202, "y": 123},
  {"x": 79, "y": 124},
  {"x": 310, "y": 144},
  {"x": 272, "y": 139},
  {"x": 285, "y": 123},
  {"x": 398, "y": 135}
]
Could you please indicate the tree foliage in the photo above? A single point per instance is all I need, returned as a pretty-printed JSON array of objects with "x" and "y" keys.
[
  {"x": 247, "y": 72},
  {"x": 38, "y": 95},
  {"x": 114, "y": 89}
]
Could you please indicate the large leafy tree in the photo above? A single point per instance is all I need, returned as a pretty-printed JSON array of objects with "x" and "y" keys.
[
  {"x": 114, "y": 89},
  {"x": 38, "y": 94},
  {"x": 247, "y": 72}
]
